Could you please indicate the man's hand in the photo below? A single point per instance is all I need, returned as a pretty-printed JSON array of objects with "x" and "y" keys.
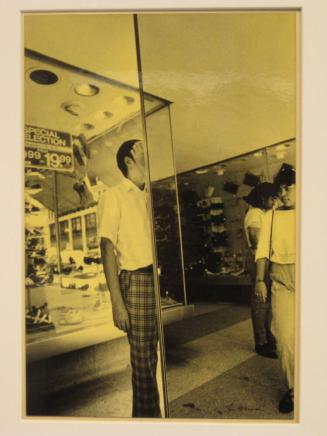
[
  {"x": 261, "y": 290},
  {"x": 120, "y": 316},
  {"x": 138, "y": 154}
]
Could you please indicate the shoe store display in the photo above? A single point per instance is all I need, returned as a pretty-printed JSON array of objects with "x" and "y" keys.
[{"x": 39, "y": 319}]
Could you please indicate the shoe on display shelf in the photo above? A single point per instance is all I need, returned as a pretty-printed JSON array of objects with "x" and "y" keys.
[
  {"x": 168, "y": 301},
  {"x": 39, "y": 319},
  {"x": 71, "y": 316}
]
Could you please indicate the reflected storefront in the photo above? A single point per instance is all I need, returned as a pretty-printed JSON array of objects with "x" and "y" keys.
[
  {"x": 76, "y": 118},
  {"x": 75, "y": 121}
]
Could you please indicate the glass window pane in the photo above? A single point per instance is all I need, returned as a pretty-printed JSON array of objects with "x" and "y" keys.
[
  {"x": 165, "y": 208},
  {"x": 80, "y": 107}
]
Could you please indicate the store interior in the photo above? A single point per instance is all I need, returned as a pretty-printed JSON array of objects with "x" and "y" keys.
[
  {"x": 69, "y": 291},
  {"x": 212, "y": 132}
]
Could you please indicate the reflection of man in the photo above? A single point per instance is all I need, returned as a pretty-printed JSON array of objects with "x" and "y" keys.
[{"x": 126, "y": 250}]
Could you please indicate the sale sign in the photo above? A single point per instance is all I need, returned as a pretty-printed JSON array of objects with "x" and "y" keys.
[{"x": 48, "y": 149}]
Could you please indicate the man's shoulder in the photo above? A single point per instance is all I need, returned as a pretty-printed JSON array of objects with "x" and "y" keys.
[
  {"x": 254, "y": 214},
  {"x": 109, "y": 194}
]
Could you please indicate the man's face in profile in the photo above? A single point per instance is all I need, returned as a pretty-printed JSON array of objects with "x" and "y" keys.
[{"x": 138, "y": 160}]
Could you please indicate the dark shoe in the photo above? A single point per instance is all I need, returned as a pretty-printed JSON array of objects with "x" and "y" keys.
[
  {"x": 266, "y": 351},
  {"x": 286, "y": 404}
]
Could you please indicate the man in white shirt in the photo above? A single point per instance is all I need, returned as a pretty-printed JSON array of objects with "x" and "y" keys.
[
  {"x": 260, "y": 200},
  {"x": 277, "y": 245},
  {"x": 124, "y": 229}
]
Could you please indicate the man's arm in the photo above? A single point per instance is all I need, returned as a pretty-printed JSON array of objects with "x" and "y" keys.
[
  {"x": 120, "y": 314},
  {"x": 254, "y": 233},
  {"x": 260, "y": 284},
  {"x": 262, "y": 256}
]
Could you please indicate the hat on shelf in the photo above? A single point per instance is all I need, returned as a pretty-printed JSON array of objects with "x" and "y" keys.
[
  {"x": 204, "y": 203},
  {"x": 218, "y": 228},
  {"x": 216, "y": 212},
  {"x": 216, "y": 200},
  {"x": 208, "y": 192},
  {"x": 231, "y": 187},
  {"x": 218, "y": 219},
  {"x": 251, "y": 179}
]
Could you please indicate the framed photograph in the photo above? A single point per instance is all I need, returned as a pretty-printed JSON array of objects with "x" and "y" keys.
[{"x": 171, "y": 267}]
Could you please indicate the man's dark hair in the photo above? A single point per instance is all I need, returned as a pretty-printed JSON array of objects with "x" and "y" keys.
[
  {"x": 285, "y": 176},
  {"x": 260, "y": 193},
  {"x": 125, "y": 150}
]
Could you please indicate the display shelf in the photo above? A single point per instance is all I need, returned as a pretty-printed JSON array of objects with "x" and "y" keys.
[{"x": 225, "y": 280}]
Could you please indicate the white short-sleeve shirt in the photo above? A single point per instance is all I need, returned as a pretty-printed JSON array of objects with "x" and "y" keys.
[
  {"x": 277, "y": 240},
  {"x": 123, "y": 217},
  {"x": 252, "y": 219}
]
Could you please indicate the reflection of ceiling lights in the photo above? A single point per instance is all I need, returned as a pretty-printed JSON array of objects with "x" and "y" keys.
[
  {"x": 43, "y": 77},
  {"x": 86, "y": 90},
  {"x": 204, "y": 171},
  {"x": 258, "y": 154},
  {"x": 280, "y": 155},
  {"x": 220, "y": 171},
  {"x": 222, "y": 165},
  {"x": 282, "y": 147}
]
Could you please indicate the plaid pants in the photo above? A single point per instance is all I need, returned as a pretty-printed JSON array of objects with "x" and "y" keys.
[{"x": 138, "y": 294}]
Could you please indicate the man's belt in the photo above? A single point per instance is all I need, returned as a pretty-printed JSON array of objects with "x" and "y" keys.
[{"x": 146, "y": 269}]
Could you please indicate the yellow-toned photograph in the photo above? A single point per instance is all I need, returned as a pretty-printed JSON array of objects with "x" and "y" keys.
[{"x": 161, "y": 175}]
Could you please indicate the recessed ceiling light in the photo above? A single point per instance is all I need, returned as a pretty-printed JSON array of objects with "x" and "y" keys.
[
  {"x": 128, "y": 99},
  {"x": 44, "y": 77},
  {"x": 86, "y": 90},
  {"x": 103, "y": 115},
  {"x": 87, "y": 126},
  {"x": 201, "y": 171},
  {"x": 72, "y": 108},
  {"x": 280, "y": 155}
]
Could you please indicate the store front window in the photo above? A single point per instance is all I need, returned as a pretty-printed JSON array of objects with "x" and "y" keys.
[
  {"x": 213, "y": 207},
  {"x": 165, "y": 209},
  {"x": 77, "y": 233},
  {"x": 88, "y": 117},
  {"x": 91, "y": 231}
]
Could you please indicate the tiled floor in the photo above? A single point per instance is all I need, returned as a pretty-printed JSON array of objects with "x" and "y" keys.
[{"x": 212, "y": 372}]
